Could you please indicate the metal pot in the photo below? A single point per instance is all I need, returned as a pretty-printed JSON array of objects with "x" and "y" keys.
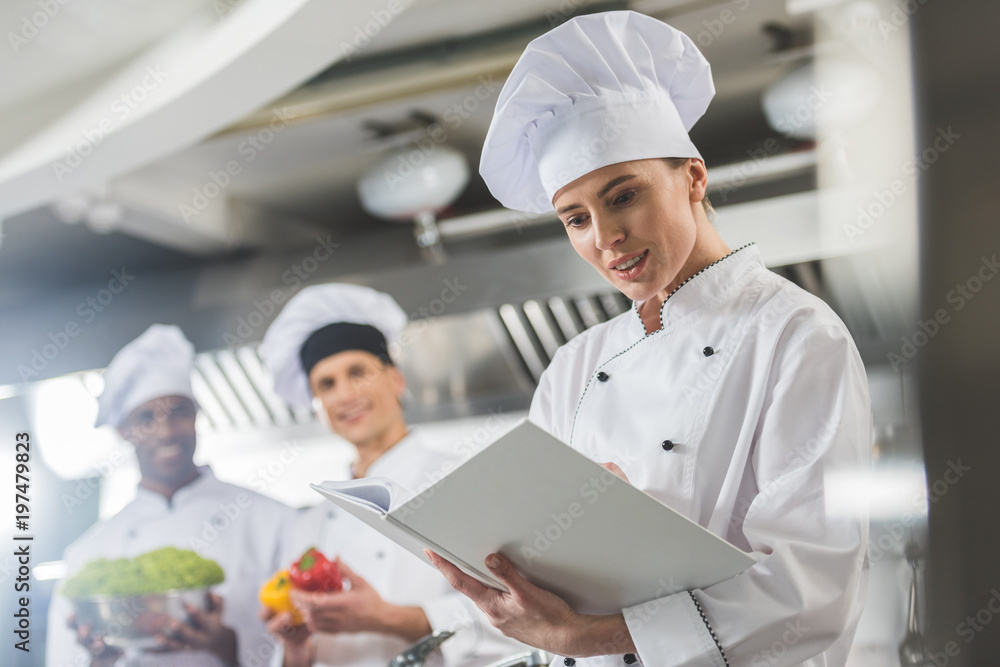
[{"x": 133, "y": 622}]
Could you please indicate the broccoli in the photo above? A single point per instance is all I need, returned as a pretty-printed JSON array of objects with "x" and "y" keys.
[{"x": 153, "y": 572}]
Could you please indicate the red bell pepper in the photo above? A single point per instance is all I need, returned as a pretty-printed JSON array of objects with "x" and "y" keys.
[{"x": 314, "y": 572}]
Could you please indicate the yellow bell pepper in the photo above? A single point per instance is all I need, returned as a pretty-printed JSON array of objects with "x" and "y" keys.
[{"x": 275, "y": 595}]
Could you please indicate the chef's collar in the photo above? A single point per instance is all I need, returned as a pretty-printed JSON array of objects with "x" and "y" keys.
[
  {"x": 206, "y": 478},
  {"x": 708, "y": 285}
]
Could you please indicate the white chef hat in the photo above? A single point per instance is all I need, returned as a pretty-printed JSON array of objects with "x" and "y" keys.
[
  {"x": 597, "y": 90},
  {"x": 320, "y": 321},
  {"x": 157, "y": 363}
]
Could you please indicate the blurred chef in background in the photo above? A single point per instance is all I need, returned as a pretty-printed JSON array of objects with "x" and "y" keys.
[
  {"x": 148, "y": 399},
  {"x": 330, "y": 345}
]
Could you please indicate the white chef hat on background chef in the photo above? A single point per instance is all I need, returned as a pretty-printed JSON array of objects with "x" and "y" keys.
[
  {"x": 321, "y": 321},
  {"x": 157, "y": 363},
  {"x": 597, "y": 90}
]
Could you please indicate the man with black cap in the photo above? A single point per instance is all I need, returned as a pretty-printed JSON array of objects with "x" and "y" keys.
[
  {"x": 330, "y": 347},
  {"x": 148, "y": 399}
]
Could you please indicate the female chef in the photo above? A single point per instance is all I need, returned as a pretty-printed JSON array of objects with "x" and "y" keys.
[{"x": 726, "y": 392}]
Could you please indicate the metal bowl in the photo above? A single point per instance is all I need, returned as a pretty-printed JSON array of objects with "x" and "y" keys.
[{"x": 134, "y": 622}]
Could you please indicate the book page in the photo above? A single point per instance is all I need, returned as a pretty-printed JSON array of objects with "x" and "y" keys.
[{"x": 376, "y": 493}]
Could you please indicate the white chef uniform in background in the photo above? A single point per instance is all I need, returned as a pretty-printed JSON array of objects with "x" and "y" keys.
[
  {"x": 237, "y": 528},
  {"x": 738, "y": 409},
  {"x": 397, "y": 575},
  {"x": 394, "y": 572}
]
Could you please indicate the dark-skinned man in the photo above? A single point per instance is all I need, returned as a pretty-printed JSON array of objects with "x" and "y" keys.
[{"x": 148, "y": 399}]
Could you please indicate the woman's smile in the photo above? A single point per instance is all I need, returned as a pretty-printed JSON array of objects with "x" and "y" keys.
[{"x": 628, "y": 267}]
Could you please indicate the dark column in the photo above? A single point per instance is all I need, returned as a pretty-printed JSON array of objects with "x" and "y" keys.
[{"x": 957, "y": 76}]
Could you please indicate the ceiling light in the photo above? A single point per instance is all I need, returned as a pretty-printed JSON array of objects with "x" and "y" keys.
[
  {"x": 833, "y": 93},
  {"x": 415, "y": 183},
  {"x": 415, "y": 179}
]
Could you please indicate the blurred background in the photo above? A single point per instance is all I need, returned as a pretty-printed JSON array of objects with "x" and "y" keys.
[{"x": 198, "y": 162}]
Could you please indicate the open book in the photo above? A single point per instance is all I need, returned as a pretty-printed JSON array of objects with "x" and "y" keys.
[{"x": 567, "y": 524}]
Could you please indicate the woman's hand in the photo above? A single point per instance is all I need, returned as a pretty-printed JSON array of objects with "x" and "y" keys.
[
  {"x": 359, "y": 609},
  {"x": 537, "y": 617},
  {"x": 615, "y": 470}
]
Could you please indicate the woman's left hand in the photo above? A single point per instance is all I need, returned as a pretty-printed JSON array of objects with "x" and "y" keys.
[
  {"x": 615, "y": 470},
  {"x": 535, "y": 616}
]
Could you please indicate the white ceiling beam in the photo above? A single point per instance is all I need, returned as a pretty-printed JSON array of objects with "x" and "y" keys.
[{"x": 198, "y": 81}]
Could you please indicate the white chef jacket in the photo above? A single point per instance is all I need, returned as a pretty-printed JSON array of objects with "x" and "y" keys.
[
  {"x": 397, "y": 575},
  {"x": 239, "y": 529},
  {"x": 734, "y": 414}
]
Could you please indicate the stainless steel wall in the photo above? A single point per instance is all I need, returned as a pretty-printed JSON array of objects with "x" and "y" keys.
[{"x": 957, "y": 74}]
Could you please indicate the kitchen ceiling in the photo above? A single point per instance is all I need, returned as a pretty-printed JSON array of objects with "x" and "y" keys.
[
  {"x": 303, "y": 181},
  {"x": 295, "y": 181}
]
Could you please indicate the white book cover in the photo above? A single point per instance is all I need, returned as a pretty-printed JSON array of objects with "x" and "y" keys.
[{"x": 568, "y": 525}]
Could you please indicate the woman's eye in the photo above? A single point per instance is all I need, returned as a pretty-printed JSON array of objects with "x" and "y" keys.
[
  {"x": 575, "y": 222},
  {"x": 623, "y": 198}
]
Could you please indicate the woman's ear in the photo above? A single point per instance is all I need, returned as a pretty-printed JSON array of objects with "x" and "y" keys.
[{"x": 698, "y": 173}]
